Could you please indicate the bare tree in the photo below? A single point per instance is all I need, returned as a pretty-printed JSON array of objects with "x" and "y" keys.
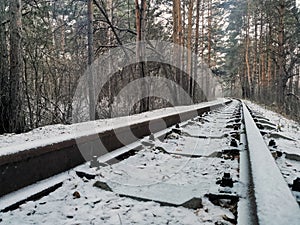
[
  {"x": 140, "y": 13},
  {"x": 16, "y": 119},
  {"x": 91, "y": 59},
  {"x": 189, "y": 45},
  {"x": 4, "y": 72}
]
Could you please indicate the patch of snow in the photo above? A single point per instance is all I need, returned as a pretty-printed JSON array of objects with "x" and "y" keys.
[
  {"x": 97, "y": 206},
  {"x": 31, "y": 190},
  {"x": 287, "y": 128}
]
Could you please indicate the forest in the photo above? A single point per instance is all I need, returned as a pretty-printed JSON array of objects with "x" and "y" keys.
[{"x": 247, "y": 48}]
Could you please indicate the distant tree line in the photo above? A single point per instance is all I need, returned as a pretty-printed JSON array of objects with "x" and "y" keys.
[
  {"x": 263, "y": 52},
  {"x": 47, "y": 45}
]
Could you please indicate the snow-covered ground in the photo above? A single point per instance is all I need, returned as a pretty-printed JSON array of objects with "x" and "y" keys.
[
  {"x": 150, "y": 174},
  {"x": 285, "y": 127},
  {"x": 11, "y": 143},
  {"x": 155, "y": 174}
]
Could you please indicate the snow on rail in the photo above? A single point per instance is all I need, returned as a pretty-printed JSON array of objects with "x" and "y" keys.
[
  {"x": 274, "y": 200},
  {"x": 48, "y": 135}
]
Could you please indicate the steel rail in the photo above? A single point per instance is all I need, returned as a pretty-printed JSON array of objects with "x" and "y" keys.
[
  {"x": 273, "y": 200},
  {"x": 24, "y": 168}
]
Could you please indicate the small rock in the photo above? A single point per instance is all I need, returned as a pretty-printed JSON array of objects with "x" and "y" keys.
[
  {"x": 31, "y": 213},
  {"x": 172, "y": 134},
  {"x": 296, "y": 185},
  {"x": 76, "y": 194},
  {"x": 176, "y": 130},
  {"x": 102, "y": 185},
  {"x": 274, "y": 154},
  {"x": 236, "y": 127},
  {"x": 272, "y": 143},
  {"x": 227, "y": 175},
  {"x": 226, "y": 180},
  {"x": 279, "y": 154},
  {"x": 194, "y": 203},
  {"x": 233, "y": 143},
  {"x": 288, "y": 165},
  {"x": 86, "y": 175}
]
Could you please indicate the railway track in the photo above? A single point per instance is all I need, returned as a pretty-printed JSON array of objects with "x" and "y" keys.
[
  {"x": 27, "y": 166},
  {"x": 271, "y": 200},
  {"x": 214, "y": 168}
]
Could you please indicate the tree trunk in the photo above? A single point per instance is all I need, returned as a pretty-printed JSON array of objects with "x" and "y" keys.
[
  {"x": 110, "y": 43},
  {"x": 269, "y": 57},
  {"x": 189, "y": 46},
  {"x": 209, "y": 32},
  {"x": 177, "y": 39},
  {"x": 247, "y": 49},
  {"x": 202, "y": 30},
  {"x": 177, "y": 23},
  {"x": 262, "y": 55},
  {"x": 140, "y": 13},
  {"x": 4, "y": 73},
  {"x": 16, "y": 120},
  {"x": 280, "y": 84},
  {"x": 195, "y": 63},
  {"x": 255, "y": 77},
  {"x": 90, "y": 60}
]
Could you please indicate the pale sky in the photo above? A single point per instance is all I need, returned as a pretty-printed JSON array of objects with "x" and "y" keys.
[{"x": 298, "y": 3}]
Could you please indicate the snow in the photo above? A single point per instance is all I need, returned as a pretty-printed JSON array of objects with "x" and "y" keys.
[
  {"x": 31, "y": 190},
  {"x": 288, "y": 128},
  {"x": 274, "y": 199},
  {"x": 148, "y": 172},
  {"x": 12, "y": 143},
  {"x": 290, "y": 169},
  {"x": 151, "y": 174},
  {"x": 195, "y": 146},
  {"x": 154, "y": 174},
  {"x": 201, "y": 138}
]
